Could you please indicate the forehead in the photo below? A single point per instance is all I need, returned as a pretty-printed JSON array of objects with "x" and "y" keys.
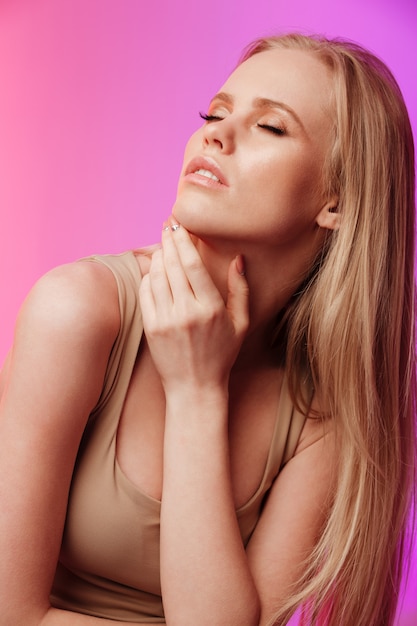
[{"x": 294, "y": 77}]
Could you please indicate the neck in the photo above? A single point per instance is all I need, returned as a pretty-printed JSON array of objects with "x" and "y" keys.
[{"x": 270, "y": 288}]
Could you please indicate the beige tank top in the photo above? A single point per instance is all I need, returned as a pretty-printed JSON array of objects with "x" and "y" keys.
[{"x": 109, "y": 560}]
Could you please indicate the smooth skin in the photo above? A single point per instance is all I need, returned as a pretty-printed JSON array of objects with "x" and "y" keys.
[{"x": 205, "y": 370}]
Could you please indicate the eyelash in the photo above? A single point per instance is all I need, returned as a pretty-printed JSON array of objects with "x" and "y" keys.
[
  {"x": 209, "y": 118},
  {"x": 273, "y": 129},
  {"x": 277, "y": 130}
]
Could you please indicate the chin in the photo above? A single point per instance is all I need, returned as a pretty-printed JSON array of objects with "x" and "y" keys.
[
  {"x": 191, "y": 217},
  {"x": 201, "y": 219}
]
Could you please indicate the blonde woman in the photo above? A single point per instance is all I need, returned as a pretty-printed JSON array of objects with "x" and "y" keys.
[{"x": 219, "y": 429}]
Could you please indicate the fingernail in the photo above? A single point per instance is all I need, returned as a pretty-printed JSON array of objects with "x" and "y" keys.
[
  {"x": 175, "y": 227},
  {"x": 240, "y": 264}
]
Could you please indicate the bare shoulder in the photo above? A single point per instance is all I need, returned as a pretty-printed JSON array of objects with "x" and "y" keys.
[
  {"x": 64, "y": 332},
  {"x": 80, "y": 296}
]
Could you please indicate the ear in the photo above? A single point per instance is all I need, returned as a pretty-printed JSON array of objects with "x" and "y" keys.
[{"x": 328, "y": 216}]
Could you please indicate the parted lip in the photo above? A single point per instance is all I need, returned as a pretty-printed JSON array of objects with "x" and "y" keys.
[{"x": 205, "y": 163}]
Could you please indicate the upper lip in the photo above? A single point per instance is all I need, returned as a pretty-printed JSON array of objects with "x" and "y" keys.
[{"x": 205, "y": 163}]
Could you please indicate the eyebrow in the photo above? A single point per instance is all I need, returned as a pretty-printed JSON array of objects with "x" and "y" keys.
[{"x": 260, "y": 103}]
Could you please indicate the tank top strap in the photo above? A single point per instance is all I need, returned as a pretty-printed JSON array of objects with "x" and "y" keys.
[
  {"x": 288, "y": 427},
  {"x": 126, "y": 272}
]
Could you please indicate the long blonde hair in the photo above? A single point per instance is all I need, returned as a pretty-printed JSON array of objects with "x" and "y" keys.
[{"x": 352, "y": 328}]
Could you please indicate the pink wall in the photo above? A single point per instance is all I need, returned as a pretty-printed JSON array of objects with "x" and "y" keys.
[{"x": 97, "y": 98}]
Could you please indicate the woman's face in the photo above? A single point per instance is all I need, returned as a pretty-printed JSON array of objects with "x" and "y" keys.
[{"x": 253, "y": 172}]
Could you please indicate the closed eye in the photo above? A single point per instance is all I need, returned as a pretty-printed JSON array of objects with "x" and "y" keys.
[
  {"x": 209, "y": 118},
  {"x": 276, "y": 130},
  {"x": 273, "y": 129}
]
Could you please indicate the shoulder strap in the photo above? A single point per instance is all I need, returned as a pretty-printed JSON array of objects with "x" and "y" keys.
[
  {"x": 125, "y": 270},
  {"x": 288, "y": 427}
]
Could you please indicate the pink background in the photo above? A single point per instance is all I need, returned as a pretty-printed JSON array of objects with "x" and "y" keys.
[{"x": 97, "y": 98}]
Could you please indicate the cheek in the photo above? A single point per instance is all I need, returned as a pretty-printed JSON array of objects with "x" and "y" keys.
[
  {"x": 304, "y": 190},
  {"x": 290, "y": 184},
  {"x": 285, "y": 198}
]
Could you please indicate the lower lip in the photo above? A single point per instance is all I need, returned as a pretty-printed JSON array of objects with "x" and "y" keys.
[{"x": 203, "y": 181}]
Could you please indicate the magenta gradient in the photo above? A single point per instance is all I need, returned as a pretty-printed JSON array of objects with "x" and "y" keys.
[{"x": 97, "y": 99}]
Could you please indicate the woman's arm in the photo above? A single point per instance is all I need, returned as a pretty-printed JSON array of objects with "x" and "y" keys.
[
  {"x": 52, "y": 381},
  {"x": 207, "y": 577},
  {"x": 194, "y": 339},
  {"x": 204, "y": 571}
]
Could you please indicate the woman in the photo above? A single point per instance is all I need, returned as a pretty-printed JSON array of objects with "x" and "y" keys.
[{"x": 253, "y": 449}]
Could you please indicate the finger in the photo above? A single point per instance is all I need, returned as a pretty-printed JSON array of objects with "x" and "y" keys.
[
  {"x": 176, "y": 276},
  {"x": 146, "y": 301},
  {"x": 193, "y": 269},
  {"x": 159, "y": 283},
  {"x": 237, "y": 302}
]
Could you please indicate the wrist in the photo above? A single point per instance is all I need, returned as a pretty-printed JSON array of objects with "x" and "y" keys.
[
  {"x": 191, "y": 397},
  {"x": 196, "y": 409}
]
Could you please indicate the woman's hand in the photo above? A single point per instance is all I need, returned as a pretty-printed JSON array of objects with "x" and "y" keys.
[{"x": 193, "y": 335}]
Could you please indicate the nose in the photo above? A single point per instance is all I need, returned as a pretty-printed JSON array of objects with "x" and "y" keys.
[{"x": 220, "y": 134}]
